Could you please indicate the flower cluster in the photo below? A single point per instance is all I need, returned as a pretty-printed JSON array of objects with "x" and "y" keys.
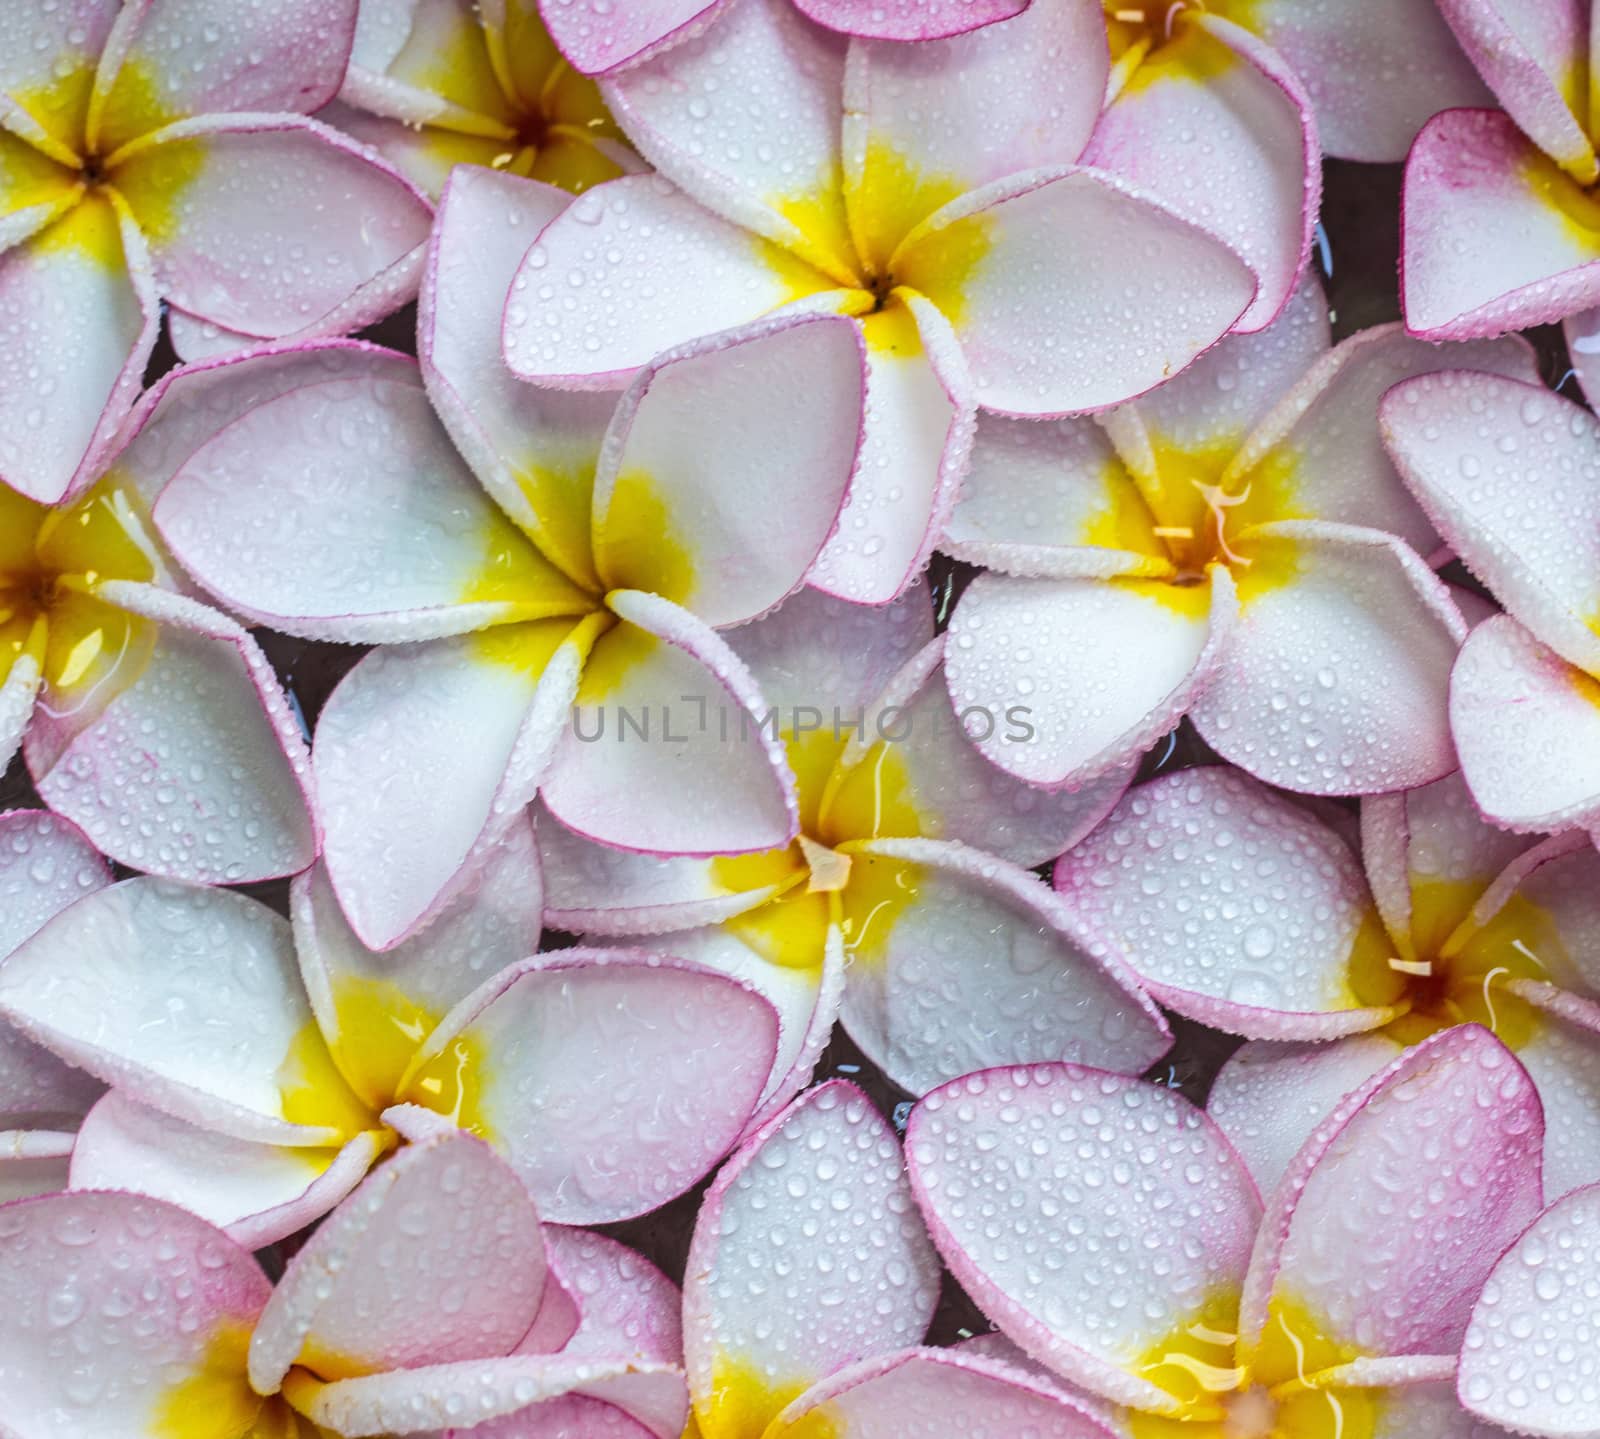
[{"x": 574, "y": 572}]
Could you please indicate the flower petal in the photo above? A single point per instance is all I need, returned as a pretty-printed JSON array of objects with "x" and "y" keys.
[
  {"x": 997, "y": 1158},
  {"x": 1375, "y": 73},
  {"x": 171, "y": 59},
  {"x": 475, "y": 717},
  {"x": 180, "y": 1342},
  {"x": 917, "y": 431},
  {"x": 1070, "y": 714},
  {"x": 187, "y": 998},
  {"x": 960, "y": 962},
  {"x": 909, "y": 19},
  {"x": 808, "y": 1255},
  {"x": 533, "y": 449},
  {"x": 771, "y": 167},
  {"x": 1527, "y": 726},
  {"x": 928, "y": 123},
  {"x": 217, "y": 200},
  {"x": 1525, "y": 1362},
  {"x": 1255, "y": 182},
  {"x": 1270, "y": 1098},
  {"x": 375, "y": 1009},
  {"x": 438, "y": 1257},
  {"x": 360, "y": 522},
  {"x": 611, "y": 1081},
  {"x": 640, "y": 267},
  {"x": 1495, "y": 238},
  {"x": 1392, "y": 1214},
  {"x": 597, "y": 40},
  {"x": 1510, "y": 474},
  {"x": 1048, "y": 253},
  {"x": 259, "y": 1193},
  {"x": 197, "y": 770},
  {"x": 81, "y": 320},
  {"x": 39, "y": 1168},
  {"x": 1335, "y": 681},
  {"x": 1562, "y": 1057},
  {"x": 48, "y": 58},
  {"x": 1232, "y": 904},
  {"x": 697, "y": 780},
  {"x": 692, "y": 521},
  {"x": 929, "y": 1389},
  {"x": 629, "y": 1308},
  {"x": 1536, "y": 62}
]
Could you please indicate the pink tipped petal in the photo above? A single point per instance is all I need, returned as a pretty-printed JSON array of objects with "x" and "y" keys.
[
  {"x": 1488, "y": 240},
  {"x": 597, "y": 39},
  {"x": 362, "y": 523},
  {"x": 438, "y": 1257},
  {"x": 728, "y": 529},
  {"x": 1375, "y": 74},
  {"x": 935, "y": 1391},
  {"x": 1392, "y": 1214},
  {"x": 1048, "y": 253},
  {"x": 1527, "y": 726},
  {"x": 628, "y": 1307},
  {"x": 997, "y": 1159},
  {"x": 1323, "y": 440},
  {"x": 167, "y": 61},
  {"x": 45, "y": 864},
  {"x": 259, "y": 1193},
  {"x": 38, "y": 46},
  {"x": 1068, "y": 714},
  {"x": 1256, "y": 181},
  {"x": 1360, "y": 640},
  {"x": 1270, "y": 1098},
  {"x": 808, "y": 1255},
  {"x": 81, "y": 320},
  {"x": 612, "y": 1082},
  {"x": 218, "y": 255},
  {"x": 475, "y": 717},
  {"x": 1510, "y": 474},
  {"x": 909, "y": 19},
  {"x": 705, "y": 776},
  {"x": 645, "y": 268},
  {"x": 1528, "y": 1362},
  {"x": 534, "y": 450},
  {"x": 157, "y": 1297},
  {"x": 750, "y": 160},
  {"x": 1535, "y": 59},
  {"x": 569, "y": 1416},
  {"x": 954, "y": 791},
  {"x": 972, "y": 963},
  {"x": 919, "y": 420},
  {"x": 198, "y": 769},
  {"x": 491, "y": 922},
  {"x": 1562, "y": 1058},
  {"x": 1231, "y": 903},
  {"x": 966, "y": 111},
  {"x": 187, "y": 998}
]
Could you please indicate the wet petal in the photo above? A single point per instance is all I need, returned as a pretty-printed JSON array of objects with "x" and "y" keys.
[
  {"x": 1164, "y": 1213},
  {"x": 909, "y": 19},
  {"x": 600, "y": 38},
  {"x": 808, "y": 1255},
  {"x": 960, "y": 962},
  {"x": 1231, "y": 903}
]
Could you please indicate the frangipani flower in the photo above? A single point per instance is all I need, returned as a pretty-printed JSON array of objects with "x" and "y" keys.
[
  {"x": 1112, "y": 1232},
  {"x": 437, "y": 83},
  {"x": 1500, "y": 227},
  {"x": 150, "y": 720},
  {"x": 432, "y": 1297},
  {"x": 599, "y": 38},
  {"x": 1510, "y": 476},
  {"x": 1530, "y": 1360},
  {"x": 927, "y": 191},
  {"x": 810, "y": 1274},
  {"x": 905, "y": 900},
  {"x": 45, "y": 864},
  {"x": 158, "y": 150},
  {"x": 613, "y": 541},
  {"x": 1234, "y": 546},
  {"x": 258, "y": 1073},
  {"x": 1241, "y": 909}
]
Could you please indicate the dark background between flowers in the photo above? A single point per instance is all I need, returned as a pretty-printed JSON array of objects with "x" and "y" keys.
[{"x": 1357, "y": 245}]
